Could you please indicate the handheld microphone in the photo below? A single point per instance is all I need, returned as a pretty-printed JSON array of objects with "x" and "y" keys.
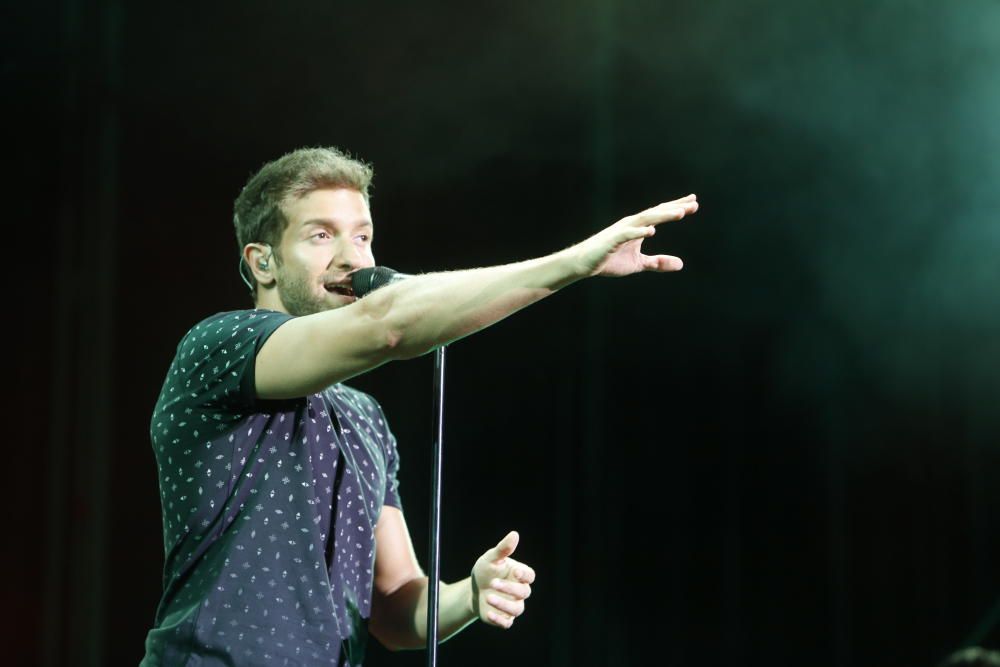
[{"x": 364, "y": 281}]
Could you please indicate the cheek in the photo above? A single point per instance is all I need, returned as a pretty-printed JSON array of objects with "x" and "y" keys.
[{"x": 307, "y": 255}]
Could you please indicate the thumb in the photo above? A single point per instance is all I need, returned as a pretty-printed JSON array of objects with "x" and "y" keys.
[
  {"x": 661, "y": 263},
  {"x": 504, "y": 548}
]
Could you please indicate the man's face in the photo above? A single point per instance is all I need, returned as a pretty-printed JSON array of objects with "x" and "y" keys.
[{"x": 329, "y": 235}]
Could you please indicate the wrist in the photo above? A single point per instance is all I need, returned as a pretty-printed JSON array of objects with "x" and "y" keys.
[
  {"x": 569, "y": 266},
  {"x": 474, "y": 596}
]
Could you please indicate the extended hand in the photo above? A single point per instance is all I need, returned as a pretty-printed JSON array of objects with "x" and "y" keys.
[
  {"x": 501, "y": 584},
  {"x": 616, "y": 250}
]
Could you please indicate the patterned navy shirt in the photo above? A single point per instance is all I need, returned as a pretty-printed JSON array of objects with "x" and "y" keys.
[{"x": 269, "y": 509}]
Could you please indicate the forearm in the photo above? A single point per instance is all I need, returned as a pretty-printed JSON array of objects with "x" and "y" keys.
[
  {"x": 413, "y": 316},
  {"x": 400, "y": 620},
  {"x": 426, "y": 311}
]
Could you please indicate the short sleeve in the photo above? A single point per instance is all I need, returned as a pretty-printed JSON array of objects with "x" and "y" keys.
[{"x": 215, "y": 361}]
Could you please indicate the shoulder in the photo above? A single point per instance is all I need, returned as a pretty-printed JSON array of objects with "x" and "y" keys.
[
  {"x": 248, "y": 323},
  {"x": 232, "y": 320}
]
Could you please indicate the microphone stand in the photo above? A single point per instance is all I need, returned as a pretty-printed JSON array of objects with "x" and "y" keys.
[
  {"x": 435, "y": 534},
  {"x": 364, "y": 281}
]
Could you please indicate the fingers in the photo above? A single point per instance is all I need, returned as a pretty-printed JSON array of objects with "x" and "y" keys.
[
  {"x": 510, "y": 607},
  {"x": 518, "y": 591},
  {"x": 662, "y": 263},
  {"x": 506, "y": 599},
  {"x": 510, "y": 586},
  {"x": 499, "y": 619},
  {"x": 629, "y": 233},
  {"x": 504, "y": 608},
  {"x": 504, "y": 548},
  {"x": 523, "y": 573},
  {"x": 666, "y": 212}
]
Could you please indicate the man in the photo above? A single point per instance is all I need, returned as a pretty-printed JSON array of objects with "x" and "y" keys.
[{"x": 282, "y": 524}]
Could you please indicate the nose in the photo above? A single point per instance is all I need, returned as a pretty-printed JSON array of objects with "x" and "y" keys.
[{"x": 348, "y": 256}]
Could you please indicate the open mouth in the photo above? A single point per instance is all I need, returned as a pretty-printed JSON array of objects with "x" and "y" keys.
[{"x": 340, "y": 288}]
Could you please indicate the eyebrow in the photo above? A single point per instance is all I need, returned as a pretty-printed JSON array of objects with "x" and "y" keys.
[{"x": 326, "y": 222}]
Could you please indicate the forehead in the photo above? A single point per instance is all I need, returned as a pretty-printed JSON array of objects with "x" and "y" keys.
[{"x": 337, "y": 205}]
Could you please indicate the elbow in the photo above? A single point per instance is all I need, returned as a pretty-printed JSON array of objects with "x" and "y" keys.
[
  {"x": 392, "y": 647},
  {"x": 392, "y": 339},
  {"x": 397, "y": 342},
  {"x": 396, "y": 647},
  {"x": 385, "y": 329},
  {"x": 393, "y": 640},
  {"x": 392, "y": 343},
  {"x": 401, "y": 332}
]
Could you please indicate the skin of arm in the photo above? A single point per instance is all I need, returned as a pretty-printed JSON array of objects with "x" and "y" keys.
[
  {"x": 400, "y": 591},
  {"x": 407, "y": 319},
  {"x": 411, "y": 317}
]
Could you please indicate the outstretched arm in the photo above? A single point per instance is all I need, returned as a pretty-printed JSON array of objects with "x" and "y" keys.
[
  {"x": 495, "y": 592},
  {"x": 414, "y": 316}
]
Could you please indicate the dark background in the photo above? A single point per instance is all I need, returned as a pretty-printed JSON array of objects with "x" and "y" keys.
[{"x": 783, "y": 455}]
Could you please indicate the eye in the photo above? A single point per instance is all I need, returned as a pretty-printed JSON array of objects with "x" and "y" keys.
[
  {"x": 364, "y": 238},
  {"x": 321, "y": 235}
]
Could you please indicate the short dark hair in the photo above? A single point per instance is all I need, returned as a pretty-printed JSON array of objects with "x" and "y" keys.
[{"x": 257, "y": 213}]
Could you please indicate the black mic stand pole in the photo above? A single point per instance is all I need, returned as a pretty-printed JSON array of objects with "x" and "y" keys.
[
  {"x": 435, "y": 535},
  {"x": 364, "y": 281}
]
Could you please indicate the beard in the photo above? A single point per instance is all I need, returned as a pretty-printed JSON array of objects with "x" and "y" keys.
[{"x": 298, "y": 295}]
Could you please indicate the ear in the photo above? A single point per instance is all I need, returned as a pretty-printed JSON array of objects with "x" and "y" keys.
[{"x": 259, "y": 258}]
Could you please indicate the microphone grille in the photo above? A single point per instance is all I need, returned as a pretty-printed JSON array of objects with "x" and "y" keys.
[{"x": 364, "y": 281}]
